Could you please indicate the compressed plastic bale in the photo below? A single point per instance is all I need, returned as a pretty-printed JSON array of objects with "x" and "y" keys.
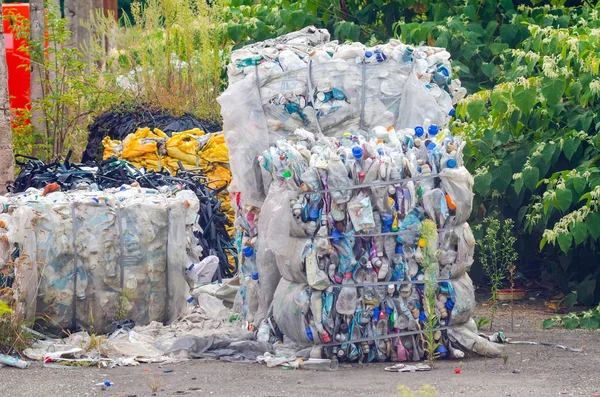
[
  {"x": 83, "y": 278},
  {"x": 26, "y": 265},
  {"x": 458, "y": 184},
  {"x": 457, "y": 249},
  {"x": 290, "y": 304},
  {"x": 417, "y": 105},
  {"x": 246, "y": 135},
  {"x": 464, "y": 299}
]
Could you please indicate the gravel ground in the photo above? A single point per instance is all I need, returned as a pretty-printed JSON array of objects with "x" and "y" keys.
[{"x": 529, "y": 371}]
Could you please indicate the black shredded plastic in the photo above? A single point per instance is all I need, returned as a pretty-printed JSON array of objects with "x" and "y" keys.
[
  {"x": 124, "y": 120},
  {"x": 113, "y": 173}
]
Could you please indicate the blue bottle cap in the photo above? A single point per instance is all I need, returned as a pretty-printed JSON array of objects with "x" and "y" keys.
[
  {"x": 248, "y": 251},
  {"x": 451, "y": 163},
  {"x": 336, "y": 234},
  {"x": 388, "y": 311},
  {"x": 433, "y": 130},
  {"x": 190, "y": 299},
  {"x": 376, "y": 312},
  {"x": 368, "y": 54},
  {"x": 254, "y": 275},
  {"x": 419, "y": 131},
  {"x": 309, "y": 333},
  {"x": 452, "y": 112},
  {"x": 419, "y": 169},
  {"x": 399, "y": 249},
  {"x": 106, "y": 383},
  {"x": 191, "y": 266},
  {"x": 422, "y": 317},
  {"x": 449, "y": 304},
  {"x": 380, "y": 151},
  {"x": 442, "y": 351},
  {"x": 431, "y": 146},
  {"x": 357, "y": 152}
]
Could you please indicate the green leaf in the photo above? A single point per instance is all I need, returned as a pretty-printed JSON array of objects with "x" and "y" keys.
[
  {"x": 503, "y": 176},
  {"x": 531, "y": 176},
  {"x": 579, "y": 232},
  {"x": 571, "y": 300},
  {"x": 234, "y": 31},
  {"x": 549, "y": 322},
  {"x": 543, "y": 243},
  {"x": 579, "y": 184},
  {"x": 497, "y": 48},
  {"x": 593, "y": 224},
  {"x": 585, "y": 291},
  {"x": 524, "y": 98},
  {"x": 553, "y": 89},
  {"x": 570, "y": 146},
  {"x": 518, "y": 185},
  {"x": 499, "y": 102},
  {"x": 298, "y": 18},
  {"x": 571, "y": 321},
  {"x": 564, "y": 198},
  {"x": 589, "y": 322},
  {"x": 483, "y": 183},
  {"x": 564, "y": 241}
]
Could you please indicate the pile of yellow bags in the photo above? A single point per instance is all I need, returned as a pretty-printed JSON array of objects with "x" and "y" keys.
[{"x": 155, "y": 150}]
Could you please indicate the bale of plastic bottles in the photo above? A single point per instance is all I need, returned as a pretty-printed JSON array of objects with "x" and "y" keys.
[
  {"x": 351, "y": 198},
  {"x": 85, "y": 258}
]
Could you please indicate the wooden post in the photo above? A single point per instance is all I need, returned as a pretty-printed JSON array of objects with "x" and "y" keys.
[{"x": 7, "y": 173}]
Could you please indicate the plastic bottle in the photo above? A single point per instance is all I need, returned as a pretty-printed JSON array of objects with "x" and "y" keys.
[
  {"x": 337, "y": 177},
  {"x": 316, "y": 364},
  {"x": 348, "y": 298},
  {"x": 370, "y": 295},
  {"x": 13, "y": 362},
  {"x": 249, "y": 260}
]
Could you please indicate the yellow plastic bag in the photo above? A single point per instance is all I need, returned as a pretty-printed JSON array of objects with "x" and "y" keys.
[
  {"x": 111, "y": 148},
  {"x": 215, "y": 150},
  {"x": 135, "y": 146},
  {"x": 184, "y": 145}
]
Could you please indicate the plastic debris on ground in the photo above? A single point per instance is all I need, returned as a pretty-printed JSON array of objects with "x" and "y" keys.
[{"x": 351, "y": 198}]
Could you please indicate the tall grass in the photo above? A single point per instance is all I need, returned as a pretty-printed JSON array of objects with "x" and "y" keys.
[{"x": 171, "y": 55}]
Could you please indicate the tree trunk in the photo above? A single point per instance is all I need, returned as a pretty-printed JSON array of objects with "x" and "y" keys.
[
  {"x": 37, "y": 22},
  {"x": 84, "y": 7},
  {"x": 71, "y": 14},
  {"x": 7, "y": 173}
]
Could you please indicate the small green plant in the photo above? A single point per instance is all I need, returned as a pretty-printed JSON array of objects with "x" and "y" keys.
[
  {"x": 497, "y": 254},
  {"x": 14, "y": 337},
  {"x": 482, "y": 322},
  {"x": 154, "y": 383},
  {"x": 430, "y": 270},
  {"x": 124, "y": 305},
  {"x": 589, "y": 319},
  {"x": 505, "y": 359},
  {"x": 423, "y": 391}
]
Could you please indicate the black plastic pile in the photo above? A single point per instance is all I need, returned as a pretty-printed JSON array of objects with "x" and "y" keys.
[
  {"x": 113, "y": 173},
  {"x": 124, "y": 120}
]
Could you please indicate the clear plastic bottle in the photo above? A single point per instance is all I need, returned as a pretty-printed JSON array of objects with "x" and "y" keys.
[
  {"x": 370, "y": 292},
  {"x": 348, "y": 298},
  {"x": 249, "y": 260}
]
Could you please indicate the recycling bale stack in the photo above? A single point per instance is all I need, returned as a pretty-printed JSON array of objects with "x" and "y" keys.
[
  {"x": 85, "y": 258},
  {"x": 351, "y": 197}
]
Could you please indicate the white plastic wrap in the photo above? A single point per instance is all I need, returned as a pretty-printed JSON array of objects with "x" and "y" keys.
[{"x": 89, "y": 258}]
